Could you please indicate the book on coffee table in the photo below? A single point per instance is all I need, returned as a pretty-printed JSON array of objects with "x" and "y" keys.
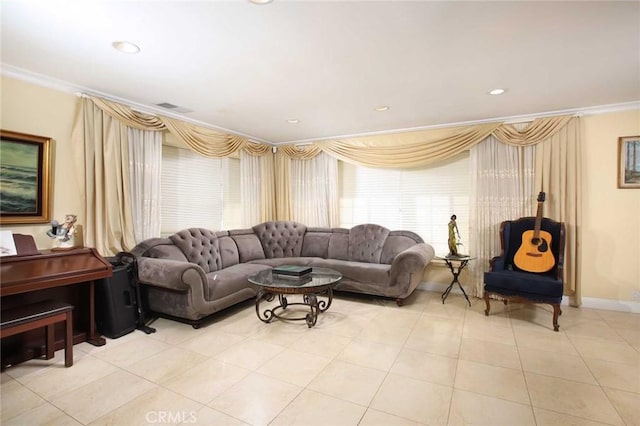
[
  {"x": 291, "y": 277},
  {"x": 290, "y": 280},
  {"x": 291, "y": 270}
]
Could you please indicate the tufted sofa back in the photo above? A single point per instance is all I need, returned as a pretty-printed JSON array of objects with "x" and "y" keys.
[
  {"x": 363, "y": 243},
  {"x": 281, "y": 238},
  {"x": 200, "y": 246},
  {"x": 366, "y": 242}
]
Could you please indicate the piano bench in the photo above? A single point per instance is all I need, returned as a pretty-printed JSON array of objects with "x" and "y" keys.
[{"x": 37, "y": 315}]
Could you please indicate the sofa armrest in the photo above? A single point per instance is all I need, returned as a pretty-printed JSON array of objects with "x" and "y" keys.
[
  {"x": 171, "y": 274},
  {"x": 409, "y": 262}
]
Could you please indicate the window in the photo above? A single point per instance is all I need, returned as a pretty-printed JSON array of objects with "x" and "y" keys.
[
  {"x": 418, "y": 200},
  {"x": 198, "y": 191}
]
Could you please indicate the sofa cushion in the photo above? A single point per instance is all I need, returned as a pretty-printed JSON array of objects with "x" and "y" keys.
[
  {"x": 517, "y": 282},
  {"x": 228, "y": 251},
  {"x": 375, "y": 274},
  {"x": 366, "y": 242},
  {"x": 280, "y": 238},
  {"x": 229, "y": 280},
  {"x": 339, "y": 244},
  {"x": 248, "y": 244},
  {"x": 200, "y": 246},
  {"x": 316, "y": 242}
]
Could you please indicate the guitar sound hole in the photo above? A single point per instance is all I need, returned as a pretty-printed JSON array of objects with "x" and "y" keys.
[{"x": 535, "y": 241}]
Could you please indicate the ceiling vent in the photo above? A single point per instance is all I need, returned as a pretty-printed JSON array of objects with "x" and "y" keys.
[{"x": 173, "y": 108}]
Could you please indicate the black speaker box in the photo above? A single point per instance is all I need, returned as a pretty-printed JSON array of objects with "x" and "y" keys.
[{"x": 116, "y": 306}]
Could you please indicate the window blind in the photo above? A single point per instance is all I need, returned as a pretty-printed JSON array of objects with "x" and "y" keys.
[
  {"x": 419, "y": 200},
  {"x": 192, "y": 191}
]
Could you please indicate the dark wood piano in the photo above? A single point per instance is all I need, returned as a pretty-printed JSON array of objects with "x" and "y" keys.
[{"x": 68, "y": 276}]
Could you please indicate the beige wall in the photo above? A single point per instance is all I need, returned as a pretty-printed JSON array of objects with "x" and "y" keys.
[
  {"x": 610, "y": 266},
  {"x": 27, "y": 108}
]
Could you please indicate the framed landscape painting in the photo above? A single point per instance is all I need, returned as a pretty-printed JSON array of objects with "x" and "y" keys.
[
  {"x": 25, "y": 174},
  {"x": 629, "y": 162}
]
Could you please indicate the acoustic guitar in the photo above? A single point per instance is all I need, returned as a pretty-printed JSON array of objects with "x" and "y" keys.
[{"x": 534, "y": 254}]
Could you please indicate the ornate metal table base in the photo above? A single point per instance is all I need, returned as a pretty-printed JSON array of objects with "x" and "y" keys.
[
  {"x": 309, "y": 299},
  {"x": 463, "y": 262}
]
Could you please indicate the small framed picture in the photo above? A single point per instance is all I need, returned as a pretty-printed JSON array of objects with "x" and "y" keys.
[
  {"x": 25, "y": 173},
  {"x": 629, "y": 162}
]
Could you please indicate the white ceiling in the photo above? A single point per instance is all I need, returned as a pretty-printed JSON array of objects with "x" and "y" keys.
[{"x": 249, "y": 68}]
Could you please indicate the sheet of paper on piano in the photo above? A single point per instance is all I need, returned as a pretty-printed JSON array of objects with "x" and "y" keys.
[{"x": 7, "y": 244}]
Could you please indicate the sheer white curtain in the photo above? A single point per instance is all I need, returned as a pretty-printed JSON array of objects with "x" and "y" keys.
[
  {"x": 145, "y": 160},
  {"x": 250, "y": 189},
  {"x": 314, "y": 191},
  {"x": 503, "y": 178}
]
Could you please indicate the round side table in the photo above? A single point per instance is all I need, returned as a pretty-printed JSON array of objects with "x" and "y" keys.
[{"x": 456, "y": 264}]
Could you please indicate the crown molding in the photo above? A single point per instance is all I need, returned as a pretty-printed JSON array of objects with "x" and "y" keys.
[
  {"x": 66, "y": 87},
  {"x": 600, "y": 109}
]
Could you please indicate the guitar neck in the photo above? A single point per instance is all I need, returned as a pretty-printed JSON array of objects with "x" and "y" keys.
[{"x": 536, "y": 229}]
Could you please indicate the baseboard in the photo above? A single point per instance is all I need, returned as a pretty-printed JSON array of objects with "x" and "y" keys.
[
  {"x": 587, "y": 302},
  {"x": 607, "y": 304}
]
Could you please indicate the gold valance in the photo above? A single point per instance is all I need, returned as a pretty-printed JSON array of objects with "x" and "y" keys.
[
  {"x": 398, "y": 150},
  {"x": 537, "y": 131},
  {"x": 414, "y": 149},
  {"x": 205, "y": 141}
]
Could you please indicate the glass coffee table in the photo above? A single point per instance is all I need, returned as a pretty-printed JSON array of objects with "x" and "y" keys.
[{"x": 319, "y": 283}]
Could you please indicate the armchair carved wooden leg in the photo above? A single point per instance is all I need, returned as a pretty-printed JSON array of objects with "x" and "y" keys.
[
  {"x": 487, "y": 303},
  {"x": 556, "y": 312}
]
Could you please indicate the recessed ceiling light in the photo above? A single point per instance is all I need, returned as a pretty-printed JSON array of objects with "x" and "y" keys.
[
  {"x": 382, "y": 108},
  {"x": 497, "y": 92},
  {"x": 293, "y": 121},
  {"x": 125, "y": 47},
  {"x": 260, "y": 1}
]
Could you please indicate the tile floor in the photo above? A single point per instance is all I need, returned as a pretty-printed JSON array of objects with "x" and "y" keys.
[{"x": 367, "y": 362}]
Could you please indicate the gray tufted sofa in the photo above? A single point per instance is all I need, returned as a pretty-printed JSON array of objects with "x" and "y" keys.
[{"x": 197, "y": 272}]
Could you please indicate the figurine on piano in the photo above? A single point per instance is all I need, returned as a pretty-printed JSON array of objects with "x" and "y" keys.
[{"x": 65, "y": 232}]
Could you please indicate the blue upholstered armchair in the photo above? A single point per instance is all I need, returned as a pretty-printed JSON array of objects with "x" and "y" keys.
[{"x": 507, "y": 278}]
